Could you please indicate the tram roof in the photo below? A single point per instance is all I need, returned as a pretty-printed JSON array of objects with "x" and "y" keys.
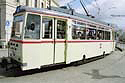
[{"x": 59, "y": 12}]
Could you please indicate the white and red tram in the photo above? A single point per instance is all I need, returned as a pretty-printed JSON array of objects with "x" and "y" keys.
[{"x": 44, "y": 37}]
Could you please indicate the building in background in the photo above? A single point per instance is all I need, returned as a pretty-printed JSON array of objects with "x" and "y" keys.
[{"x": 8, "y": 7}]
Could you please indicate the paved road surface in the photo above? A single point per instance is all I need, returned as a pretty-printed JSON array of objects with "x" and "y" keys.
[
  {"x": 3, "y": 53},
  {"x": 110, "y": 69},
  {"x": 122, "y": 46}
]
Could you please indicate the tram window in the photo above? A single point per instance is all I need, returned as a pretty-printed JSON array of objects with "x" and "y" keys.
[
  {"x": 100, "y": 35},
  {"x": 32, "y": 30},
  {"x": 83, "y": 33},
  {"x": 107, "y": 35},
  {"x": 78, "y": 32},
  {"x": 17, "y": 26},
  {"x": 103, "y": 35},
  {"x": 74, "y": 32},
  {"x": 91, "y": 33},
  {"x": 47, "y": 27},
  {"x": 61, "y": 29}
]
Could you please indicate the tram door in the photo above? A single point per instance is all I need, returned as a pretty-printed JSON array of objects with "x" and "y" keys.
[
  {"x": 54, "y": 32},
  {"x": 60, "y": 41}
]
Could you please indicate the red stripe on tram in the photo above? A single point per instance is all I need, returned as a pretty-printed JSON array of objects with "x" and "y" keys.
[{"x": 59, "y": 41}]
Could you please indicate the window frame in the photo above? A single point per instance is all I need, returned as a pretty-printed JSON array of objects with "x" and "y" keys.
[
  {"x": 23, "y": 32},
  {"x": 65, "y": 35},
  {"x": 92, "y": 29},
  {"x": 97, "y": 27},
  {"x": 54, "y": 27},
  {"x": 108, "y": 36},
  {"x": 42, "y": 34},
  {"x": 78, "y": 24}
]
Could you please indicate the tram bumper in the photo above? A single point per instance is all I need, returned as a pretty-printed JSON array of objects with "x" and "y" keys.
[
  {"x": 4, "y": 62},
  {"x": 9, "y": 63}
]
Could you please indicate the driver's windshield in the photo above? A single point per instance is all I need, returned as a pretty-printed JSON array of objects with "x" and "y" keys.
[
  {"x": 17, "y": 26},
  {"x": 32, "y": 29}
]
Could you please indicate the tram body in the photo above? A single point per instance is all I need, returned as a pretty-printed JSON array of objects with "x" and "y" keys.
[{"x": 44, "y": 37}]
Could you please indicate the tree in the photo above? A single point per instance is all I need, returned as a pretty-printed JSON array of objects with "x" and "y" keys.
[{"x": 122, "y": 37}]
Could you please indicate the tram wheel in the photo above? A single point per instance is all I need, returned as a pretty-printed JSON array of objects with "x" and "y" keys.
[
  {"x": 84, "y": 58},
  {"x": 103, "y": 54}
]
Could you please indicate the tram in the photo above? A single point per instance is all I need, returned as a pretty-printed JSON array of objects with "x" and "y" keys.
[{"x": 45, "y": 37}]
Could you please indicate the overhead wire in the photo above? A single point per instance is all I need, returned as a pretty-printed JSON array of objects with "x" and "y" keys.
[
  {"x": 69, "y": 4},
  {"x": 95, "y": 6},
  {"x": 85, "y": 8}
]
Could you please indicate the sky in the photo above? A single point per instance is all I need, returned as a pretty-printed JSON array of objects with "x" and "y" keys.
[{"x": 110, "y": 11}]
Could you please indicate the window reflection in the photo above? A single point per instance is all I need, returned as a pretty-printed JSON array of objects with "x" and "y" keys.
[{"x": 47, "y": 27}]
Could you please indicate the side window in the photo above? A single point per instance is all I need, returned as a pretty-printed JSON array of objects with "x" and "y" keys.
[
  {"x": 100, "y": 35},
  {"x": 61, "y": 29},
  {"x": 83, "y": 33},
  {"x": 91, "y": 33},
  {"x": 47, "y": 27},
  {"x": 32, "y": 29},
  {"x": 103, "y": 35},
  {"x": 107, "y": 35},
  {"x": 74, "y": 32},
  {"x": 78, "y": 30}
]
